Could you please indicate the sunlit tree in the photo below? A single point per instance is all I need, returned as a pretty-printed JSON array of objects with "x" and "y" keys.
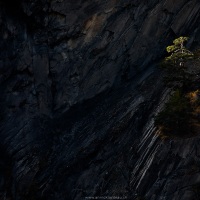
[
  {"x": 177, "y": 115},
  {"x": 174, "y": 64}
]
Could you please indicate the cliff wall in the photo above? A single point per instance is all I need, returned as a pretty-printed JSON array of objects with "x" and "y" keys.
[{"x": 79, "y": 88}]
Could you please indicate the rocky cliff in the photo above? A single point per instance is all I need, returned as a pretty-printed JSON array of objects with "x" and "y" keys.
[{"x": 79, "y": 89}]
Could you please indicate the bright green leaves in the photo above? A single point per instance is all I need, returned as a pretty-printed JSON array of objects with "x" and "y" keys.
[
  {"x": 171, "y": 48},
  {"x": 178, "y": 51},
  {"x": 179, "y": 56},
  {"x": 175, "y": 64},
  {"x": 178, "y": 44},
  {"x": 180, "y": 116},
  {"x": 180, "y": 40}
]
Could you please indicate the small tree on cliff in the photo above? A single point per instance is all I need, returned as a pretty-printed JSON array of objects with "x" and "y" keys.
[
  {"x": 176, "y": 116},
  {"x": 177, "y": 73}
]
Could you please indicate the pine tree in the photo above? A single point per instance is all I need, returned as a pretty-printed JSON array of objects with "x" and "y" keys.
[{"x": 177, "y": 74}]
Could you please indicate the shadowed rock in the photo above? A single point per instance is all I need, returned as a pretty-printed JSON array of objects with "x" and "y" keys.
[{"x": 79, "y": 89}]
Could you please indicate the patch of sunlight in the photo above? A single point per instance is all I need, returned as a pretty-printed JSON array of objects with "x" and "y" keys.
[{"x": 193, "y": 96}]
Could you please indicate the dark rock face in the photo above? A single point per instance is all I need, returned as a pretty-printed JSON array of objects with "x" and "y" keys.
[{"x": 79, "y": 89}]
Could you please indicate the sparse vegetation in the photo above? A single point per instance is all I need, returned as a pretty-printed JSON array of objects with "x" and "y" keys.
[
  {"x": 175, "y": 118},
  {"x": 175, "y": 65},
  {"x": 181, "y": 114}
]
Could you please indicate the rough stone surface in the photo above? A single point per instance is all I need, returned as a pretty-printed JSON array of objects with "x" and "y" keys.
[{"x": 79, "y": 89}]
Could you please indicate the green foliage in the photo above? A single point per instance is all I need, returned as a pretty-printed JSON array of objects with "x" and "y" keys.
[
  {"x": 178, "y": 57},
  {"x": 175, "y": 117},
  {"x": 174, "y": 65},
  {"x": 180, "y": 40},
  {"x": 177, "y": 44},
  {"x": 171, "y": 48},
  {"x": 180, "y": 115},
  {"x": 178, "y": 51}
]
